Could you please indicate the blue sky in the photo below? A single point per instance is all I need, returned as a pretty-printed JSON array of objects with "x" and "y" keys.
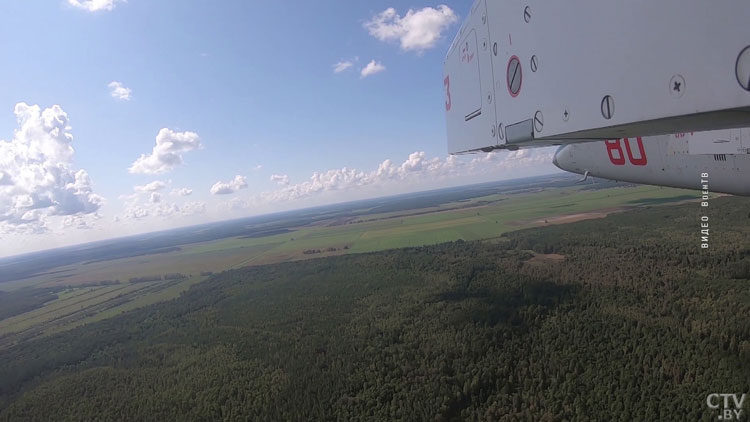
[{"x": 244, "y": 99}]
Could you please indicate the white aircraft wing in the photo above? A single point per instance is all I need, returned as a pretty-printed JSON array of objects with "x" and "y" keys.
[{"x": 538, "y": 73}]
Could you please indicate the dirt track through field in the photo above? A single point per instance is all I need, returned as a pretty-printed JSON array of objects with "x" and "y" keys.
[{"x": 572, "y": 218}]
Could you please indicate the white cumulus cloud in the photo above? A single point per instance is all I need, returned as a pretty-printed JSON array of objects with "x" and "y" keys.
[
  {"x": 414, "y": 170},
  {"x": 37, "y": 178},
  {"x": 81, "y": 222},
  {"x": 94, "y": 5},
  {"x": 418, "y": 30},
  {"x": 167, "y": 153},
  {"x": 154, "y": 186},
  {"x": 342, "y": 66},
  {"x": 182, "y": 192},
  {"x": 148, "y": 201},
  {"x": 155, "y": 207},
  {"x": 119, "y": 92},
  {"x": 371, "y": 68},
  {"x": 225, "y": 188},
  {"x": 281, "y": 179}
]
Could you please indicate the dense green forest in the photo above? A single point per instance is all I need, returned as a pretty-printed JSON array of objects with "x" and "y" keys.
[{"x": 623, "y": 318}]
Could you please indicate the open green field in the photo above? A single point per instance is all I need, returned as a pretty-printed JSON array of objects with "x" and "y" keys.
[
  {"x": 91, "y": 291},
  {"x": 81, "y": 305},
  {"x": 480, "y": 218},
  {"x": 395, "y": 230}
]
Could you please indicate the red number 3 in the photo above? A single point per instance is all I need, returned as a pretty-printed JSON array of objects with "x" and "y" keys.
[{"x": 447, "y": 83}]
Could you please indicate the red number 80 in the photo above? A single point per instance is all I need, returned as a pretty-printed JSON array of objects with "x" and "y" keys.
[{"x": 614, "y": 146}]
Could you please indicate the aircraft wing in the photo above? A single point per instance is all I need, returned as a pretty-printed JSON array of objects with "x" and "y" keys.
[{"x": 539, "y": 73}]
